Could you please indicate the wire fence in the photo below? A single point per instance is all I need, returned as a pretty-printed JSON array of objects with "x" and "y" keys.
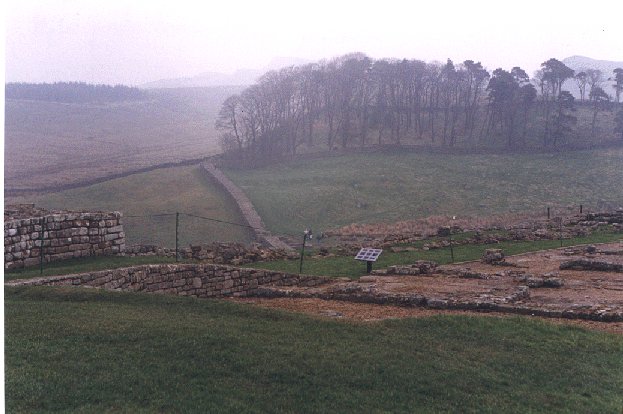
[
  {"x": 171, "y": 229},
  {"x": 176, "y": 230}
]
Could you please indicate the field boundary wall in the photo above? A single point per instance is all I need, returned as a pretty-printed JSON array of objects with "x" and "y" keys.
[
  {"x": 248, "y": 212},
  {"x": 63, "y": 236}
]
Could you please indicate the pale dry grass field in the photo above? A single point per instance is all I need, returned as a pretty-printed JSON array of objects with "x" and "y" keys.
[{"x": 49, "y": 144}]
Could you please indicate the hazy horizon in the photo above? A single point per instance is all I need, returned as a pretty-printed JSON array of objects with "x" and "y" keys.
[{"x": 138, "y": 42}]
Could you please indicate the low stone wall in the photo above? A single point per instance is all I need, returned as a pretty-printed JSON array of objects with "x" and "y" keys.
[
  {"x": 510, "y": 304},
  {"x": 198, "y": 280},
  {"x": 245, "y": 206},
  {"x": 63, "y": 236},
  {"x": 220, "y": 253},
  {"x": 587, "y": 264}
]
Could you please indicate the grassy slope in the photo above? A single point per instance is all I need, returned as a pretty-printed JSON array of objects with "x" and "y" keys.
[
  {"x": 336, "y": 191},
  {"x": 182, "y": 189},
  {"x": 48, "y": 143},
  {"x": 101, "y": 351}
]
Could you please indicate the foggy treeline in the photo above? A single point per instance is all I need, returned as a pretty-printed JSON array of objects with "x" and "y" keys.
[
  {"x": 72, "y": 92},
  {"x": 355, "y": 101}
]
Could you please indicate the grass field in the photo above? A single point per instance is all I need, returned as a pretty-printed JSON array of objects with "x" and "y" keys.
[
  {"x": 78, "y": 350},
  {"x": 168, "y": 190},
  {"x": 331, "y": 192},
  {"x": 51, "y": 144}
]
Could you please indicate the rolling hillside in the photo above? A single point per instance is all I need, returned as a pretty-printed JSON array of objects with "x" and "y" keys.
[
  {"x": 166, "y": 190},
  {"x": 580, "y": 63},
  {"x": 52, "y": 144},
  {"x": 395, "y": 186}
]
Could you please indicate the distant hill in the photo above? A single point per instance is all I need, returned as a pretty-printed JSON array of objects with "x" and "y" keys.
[
  {"x": 242, "y": 77},
  {"x": 72, "y": 92},
  {"x": 580, "y": 63},
  {"x": 208, "y": 79}
]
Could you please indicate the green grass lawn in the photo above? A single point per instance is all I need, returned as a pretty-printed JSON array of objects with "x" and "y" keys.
[
  {"x": 330, "y": 192},
  {"x": 349, "y": 267},
  {"x": 79, "y": 350},
  {"x": 181, "y": 189}
]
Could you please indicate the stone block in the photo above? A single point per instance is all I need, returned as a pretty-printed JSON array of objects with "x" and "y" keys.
[
  {"x": 110, "y": 237},
  {"x": 492, "y": 256},
  {"x": 115, "y": 229},
  {"x": 33, "y": 261}
]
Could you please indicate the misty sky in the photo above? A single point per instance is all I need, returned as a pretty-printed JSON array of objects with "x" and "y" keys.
[{"x": 133, "y": 42}]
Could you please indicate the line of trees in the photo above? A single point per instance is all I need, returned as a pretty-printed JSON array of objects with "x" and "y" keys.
[
  {"x": 355, "y": 101},
  {"x": 72, "y": 92}
]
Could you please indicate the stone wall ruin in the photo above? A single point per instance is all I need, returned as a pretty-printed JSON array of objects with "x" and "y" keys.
[
  {"x": 197, "y": 280},
  {"x": 63, "y": 235}
]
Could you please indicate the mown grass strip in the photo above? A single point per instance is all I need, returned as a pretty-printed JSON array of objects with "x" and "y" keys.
[
  {"x": 347, "y": 266},
  {"x": 330, "y": 266},
  {"x": 77, "y": 350}
]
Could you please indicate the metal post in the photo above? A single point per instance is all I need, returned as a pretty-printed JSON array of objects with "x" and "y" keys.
[
  {"x": 548, "y": 213},
  {"x": 177, "y": 226},
  {"x": 561, "y": 232},
  {"x": 302, "y": 252},
  {"x": 41, "y": 247},
  {"x": 451, "y": 248},
  {"x": 580, "y": 208}
]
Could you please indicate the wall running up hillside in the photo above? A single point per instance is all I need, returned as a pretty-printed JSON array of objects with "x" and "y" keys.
[
  {"x": 63, "y": 235},
  {"x": 245, "y": 206}
]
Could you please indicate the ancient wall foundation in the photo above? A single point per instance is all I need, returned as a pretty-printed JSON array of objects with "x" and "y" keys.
[
  {"x": 234, "y": 254},
  {"x": 198, "y": 280},
  {"x": 62, "y": 235}
]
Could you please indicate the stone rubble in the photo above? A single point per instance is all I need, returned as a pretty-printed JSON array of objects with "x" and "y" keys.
[
  {"x": 220, "y": 253},
  {"x": 588, "y": 264}
]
